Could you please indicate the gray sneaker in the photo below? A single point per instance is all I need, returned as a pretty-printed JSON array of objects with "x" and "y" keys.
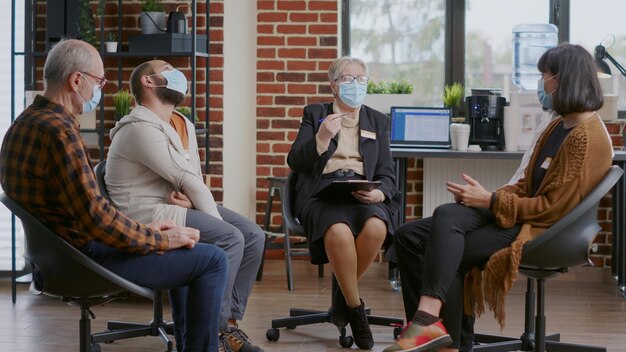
[
  {"x": 223, "y": 345},
  {"x": 239, "y": 341}
]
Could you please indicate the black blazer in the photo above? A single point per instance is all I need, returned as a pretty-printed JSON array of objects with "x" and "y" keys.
[{"x": 377, "y": 161}]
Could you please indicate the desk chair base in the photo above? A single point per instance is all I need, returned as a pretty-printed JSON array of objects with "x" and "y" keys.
[
  {"x": 533, "y": 338},
  {"x": 117, "y": 330},
  {"x": 298, "y": 317}
]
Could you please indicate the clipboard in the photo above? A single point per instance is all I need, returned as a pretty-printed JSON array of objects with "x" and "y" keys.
[{"x": 343, "y": 189}]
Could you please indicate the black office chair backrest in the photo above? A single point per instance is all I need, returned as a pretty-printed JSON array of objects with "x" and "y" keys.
[
  {"x": 566, "y": 243},
  {"x": 100, "y": 170},
  {"x": 288, "y": 202},
  {"x": 66, "y": 271}
]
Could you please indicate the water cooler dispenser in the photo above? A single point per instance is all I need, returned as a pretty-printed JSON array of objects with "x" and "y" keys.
[{"x": 530, "y": 41}]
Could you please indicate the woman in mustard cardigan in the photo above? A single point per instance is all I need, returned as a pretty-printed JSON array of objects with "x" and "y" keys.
[{"x": 440, "y": 257}]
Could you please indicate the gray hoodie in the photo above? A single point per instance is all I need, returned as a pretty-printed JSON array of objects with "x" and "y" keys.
[{"x": 146, "y": 161}]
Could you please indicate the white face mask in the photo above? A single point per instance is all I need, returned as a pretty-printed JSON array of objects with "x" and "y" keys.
[{"x": 176, "y": 80}]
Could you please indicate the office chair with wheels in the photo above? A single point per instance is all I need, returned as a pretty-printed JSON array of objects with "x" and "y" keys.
[
  {"x": 298, "y": 316},
  {"x": 158, "y": 323},
  {"x": 564, "y": 245},
  {"x": 65, "y": 272}
]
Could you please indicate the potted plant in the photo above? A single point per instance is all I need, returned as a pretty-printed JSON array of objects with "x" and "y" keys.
[
  {"x": 111, "y": 42},
  {"x": 152, "y": 17},
  {"x": 453, "y": 97},
  {"x": 383, "y": 95},
  {"x": 122, "y": 101}
]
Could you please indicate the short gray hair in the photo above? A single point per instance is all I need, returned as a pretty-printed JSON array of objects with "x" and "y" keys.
[
  {"x": 67, "y": 56},
  {"x": 336, "y": 68}
]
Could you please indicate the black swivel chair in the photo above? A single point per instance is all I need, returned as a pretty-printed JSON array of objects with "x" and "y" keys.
[
  {"x": 158, "y": 326},
  {"x": 564, "y": 245},
  {"x": 298, "y": 316},
  {"x": 69, "y": 274}
]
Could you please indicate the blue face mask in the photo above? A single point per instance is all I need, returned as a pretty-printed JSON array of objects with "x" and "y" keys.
[
  {"x": 176, "y": 80},
  {"x": 89, "y": 105},
  {"x": 545, "y": 98},
  {"x": 352, "y": 94}
]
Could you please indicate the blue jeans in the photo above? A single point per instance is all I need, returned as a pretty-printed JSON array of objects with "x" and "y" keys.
[{"x": 202, "y": 269}]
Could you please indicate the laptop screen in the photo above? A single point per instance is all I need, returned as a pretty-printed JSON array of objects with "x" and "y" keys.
[{"x": 420, "y": 127}]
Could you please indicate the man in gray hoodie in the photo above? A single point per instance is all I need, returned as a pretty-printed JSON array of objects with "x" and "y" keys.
[{"x": 153, "y": 172}]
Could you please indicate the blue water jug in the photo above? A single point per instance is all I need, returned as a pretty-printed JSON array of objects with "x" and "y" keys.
[{"x": 530, "y": 41}]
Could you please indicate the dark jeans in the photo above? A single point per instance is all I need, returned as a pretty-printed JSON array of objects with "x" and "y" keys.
[
  {"x": 202, "y": 269},
  {"x": 435, "y": 253}
]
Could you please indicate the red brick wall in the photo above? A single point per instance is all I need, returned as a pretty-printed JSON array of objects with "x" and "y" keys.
[{"x": 296, "y": 42}]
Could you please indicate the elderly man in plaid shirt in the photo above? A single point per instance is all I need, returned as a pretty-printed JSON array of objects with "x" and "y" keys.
[{"x": 44, "y": 165}]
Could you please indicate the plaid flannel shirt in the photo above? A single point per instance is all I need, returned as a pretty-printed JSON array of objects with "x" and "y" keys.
[{"x": 44, "y": 165}]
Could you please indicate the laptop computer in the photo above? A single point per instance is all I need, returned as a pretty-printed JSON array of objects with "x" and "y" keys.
[{"x": 420, "y": 127}]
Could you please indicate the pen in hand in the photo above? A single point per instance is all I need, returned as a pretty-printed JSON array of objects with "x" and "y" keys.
[{"x": 342, "y": 115}]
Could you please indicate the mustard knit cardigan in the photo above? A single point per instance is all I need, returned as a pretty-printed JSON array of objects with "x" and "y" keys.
[{"x": 580, "y": 163}]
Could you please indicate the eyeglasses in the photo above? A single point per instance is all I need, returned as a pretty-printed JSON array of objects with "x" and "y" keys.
[
  {"x": 349, "y": 79},
  {"x": 101, "y": 80}
]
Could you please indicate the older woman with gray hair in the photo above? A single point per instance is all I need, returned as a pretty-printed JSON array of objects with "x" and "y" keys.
[{"x": 345, "y": 140}]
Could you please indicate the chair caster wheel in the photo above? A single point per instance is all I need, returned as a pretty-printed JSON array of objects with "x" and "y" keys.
[
  {"x": 272, "y": 334},
  {"x": 94, "y": 348},
  {"x": 396, "y": 332},
  {"x": 395, "y": 285},
  {"x": 346, "y": 341}
]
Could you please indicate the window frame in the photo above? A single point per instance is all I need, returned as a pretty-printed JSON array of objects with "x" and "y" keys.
[{"x": 454, "y": 60}]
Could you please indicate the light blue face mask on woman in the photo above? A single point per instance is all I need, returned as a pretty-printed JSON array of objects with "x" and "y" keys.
[
  {"x": 89, "y": 105},
  {"x": 352, "y": 94},
  {"x": 176, "y": 80},
  {"x": 545, "y": 98}
]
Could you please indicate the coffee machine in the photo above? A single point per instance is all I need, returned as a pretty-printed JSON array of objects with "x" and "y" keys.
[{"x": 485, "y": 115}]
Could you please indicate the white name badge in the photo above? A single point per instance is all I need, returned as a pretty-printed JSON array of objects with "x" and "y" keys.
[{"x": 368, "y": 134}]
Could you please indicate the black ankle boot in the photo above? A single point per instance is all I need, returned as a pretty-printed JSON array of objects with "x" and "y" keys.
[
  {"x": 360, "y": 327},
  {"x": 339, "y": 308}
]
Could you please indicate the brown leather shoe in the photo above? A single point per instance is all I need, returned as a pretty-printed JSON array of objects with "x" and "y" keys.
[{"x": 360, "y": 327}]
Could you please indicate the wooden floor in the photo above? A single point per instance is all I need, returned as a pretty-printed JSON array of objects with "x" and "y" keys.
[{"x": 583, "y": 306}]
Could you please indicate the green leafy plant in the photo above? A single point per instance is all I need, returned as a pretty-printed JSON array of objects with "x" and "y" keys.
[
  {"x": 86, "y": 24},
  {"x": 122, "y": 101},
  {"x": 453, "y": 94},
  {"x": 152, "y": 6},
  {"x": 186, "y": 111},
  {"x": 391, "y": 87},
  {"x": 112, "y": 36}
]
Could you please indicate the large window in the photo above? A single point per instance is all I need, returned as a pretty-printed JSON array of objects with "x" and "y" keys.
[
  {"x": 470, "y": 41},
  {"x": 488, "y": 39},
  {"x": 602, "y": 21},
  {"x": 402, "y": 39}
]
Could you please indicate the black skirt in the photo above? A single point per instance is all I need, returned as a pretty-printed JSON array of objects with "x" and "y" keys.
[{"x": 319, "y": 214}]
